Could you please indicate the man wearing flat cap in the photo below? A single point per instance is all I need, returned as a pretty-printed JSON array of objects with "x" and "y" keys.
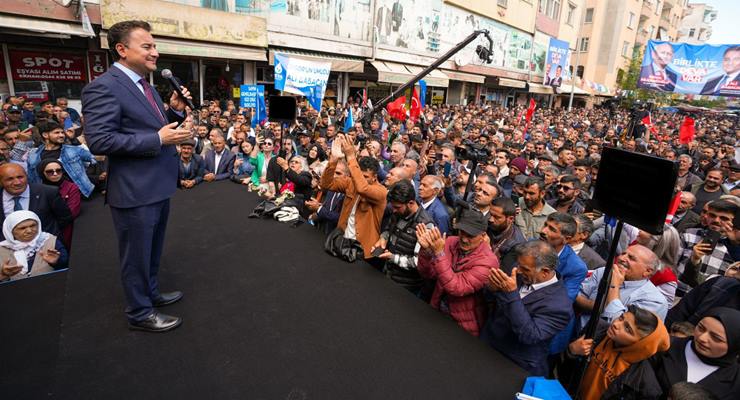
[{"x": 460, "y": 265}]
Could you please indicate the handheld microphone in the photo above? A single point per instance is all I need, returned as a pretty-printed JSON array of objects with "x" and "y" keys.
[{"x": 167, "y": 74}]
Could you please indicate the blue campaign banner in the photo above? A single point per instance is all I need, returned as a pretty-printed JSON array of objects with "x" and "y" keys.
[
  {"x": 303, "y": 77},
  {"x": 691, "y": 69},
  {"x": 248, "y": 95},
  {"x": 557, "y": 61}
]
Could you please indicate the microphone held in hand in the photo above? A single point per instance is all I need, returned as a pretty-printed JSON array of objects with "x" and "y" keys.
[{"x": 167, "y": 74}]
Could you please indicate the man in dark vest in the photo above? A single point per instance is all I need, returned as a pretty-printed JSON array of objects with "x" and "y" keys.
[{"x": 398, "y": 241}]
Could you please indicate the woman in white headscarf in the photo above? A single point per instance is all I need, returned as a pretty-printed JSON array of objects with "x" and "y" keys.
[{"x": 28, "y": 251}]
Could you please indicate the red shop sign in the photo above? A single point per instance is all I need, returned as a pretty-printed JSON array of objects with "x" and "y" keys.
[
  {"x": 98, "y": 62},
  {"x": 47, "y": 66}
]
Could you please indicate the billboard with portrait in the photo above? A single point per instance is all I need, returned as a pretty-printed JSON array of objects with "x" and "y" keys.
[
  {"x": 691, "y": 69},
  {"x": 556, "y": 63}
]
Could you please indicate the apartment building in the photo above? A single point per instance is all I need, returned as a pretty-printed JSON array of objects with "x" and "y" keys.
[{"x": 695, "y": 27}]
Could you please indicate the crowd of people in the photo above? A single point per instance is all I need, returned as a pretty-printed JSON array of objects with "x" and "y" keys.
[{"x": 510, "y": 250}]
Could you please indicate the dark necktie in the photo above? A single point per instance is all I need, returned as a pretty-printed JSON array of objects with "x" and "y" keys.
[
  {"x": 17, "y": 206},
  {"x": 150, "y": 97}
]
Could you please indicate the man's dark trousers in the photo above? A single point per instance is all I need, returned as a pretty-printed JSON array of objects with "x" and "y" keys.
[{"x": 140, "y": 232}]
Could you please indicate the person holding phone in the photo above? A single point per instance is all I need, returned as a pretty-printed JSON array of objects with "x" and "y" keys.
[{"x": 707, "y": 249}]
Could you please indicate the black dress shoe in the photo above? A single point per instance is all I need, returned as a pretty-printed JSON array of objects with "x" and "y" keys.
[
  {"x": 156, "y": 322},
  {"x": 167, "y": 298}
]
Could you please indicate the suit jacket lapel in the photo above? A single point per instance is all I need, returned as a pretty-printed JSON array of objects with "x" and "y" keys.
[{"x": 131, "y": 86}]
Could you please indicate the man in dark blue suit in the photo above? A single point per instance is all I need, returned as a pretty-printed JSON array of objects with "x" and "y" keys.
[
  {"x": 532, "y": 305},
  {"x": 656, "y": 74},
  {"x": 125, "y": 120},
  {"x": 729, "y": 81},
  {"x": 429, "y": 189},
  {"x": 219, "y": 160}
]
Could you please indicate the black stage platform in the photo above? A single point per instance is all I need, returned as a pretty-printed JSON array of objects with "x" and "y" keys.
[{"x": 267, "y": 315}]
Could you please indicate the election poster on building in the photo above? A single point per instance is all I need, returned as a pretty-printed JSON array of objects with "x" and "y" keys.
[
  {"x": 691, "y": 69},
  {"x": 303, "y": 77},
  {"x": 556, "y": 63}
]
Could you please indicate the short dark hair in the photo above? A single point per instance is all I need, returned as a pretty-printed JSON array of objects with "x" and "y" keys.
[
  {"x": 119, "y": 33},
  {"x": 645, "y": 320},
  {"x": 48, "y": 126},
  {"x": 369, "y": 164},
  {"x": 566, "y": 222},
  {"x": 723, "y": 206},
  {"x": 571, "y": 179},
  {"x": 584, "y": 224},
  {"x": 402, "y": 192},
  {"x": 729, "y": 49},
  {"x": 506, "y": 204},
  {"x": 533, "y": 180},
  {"x": 582, "y": 162}
]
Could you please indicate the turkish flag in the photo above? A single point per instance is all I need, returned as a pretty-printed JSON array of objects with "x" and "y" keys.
[
  {"x": 686, "y": 132},
  {"x": 415, "y": 107},
  {"x": 646, "y": 120},
  {"x": 530, "y": 110},
  {"x": 397, "y": 108}
]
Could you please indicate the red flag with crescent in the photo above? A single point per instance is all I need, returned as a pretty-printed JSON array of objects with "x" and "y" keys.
[{"x": 415, "y": 111}]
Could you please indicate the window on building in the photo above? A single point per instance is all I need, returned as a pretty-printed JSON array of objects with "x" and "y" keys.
[
  {"x": 691, "y": 32},
  {"x": 631, "y": 21},
  {"x": 555, "y": 10},
  {"x": 502, "y": 3},
  {"x": 657, "y": 7},
  {"x": 541, "y": 7},
  {"x": 620, "y": 75},
  {"x": 589, "y": 16},
  {"x": 584, "y": 44},
  {"x": 625, "y": 49},
  {"x": 579, "y": 71},
  {"x": 571, "y": 14},
  {"x": 651, "y": 31}
]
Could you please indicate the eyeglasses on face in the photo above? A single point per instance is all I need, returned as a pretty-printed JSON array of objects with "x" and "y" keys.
[
  {"x": 565, "y": 188},
  {"x": 56, "y": 171}
]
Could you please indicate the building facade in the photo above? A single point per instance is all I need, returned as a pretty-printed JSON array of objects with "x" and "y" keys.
[{"x": 696, "y": 25}]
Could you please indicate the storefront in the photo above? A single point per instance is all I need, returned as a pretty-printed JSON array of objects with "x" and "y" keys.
[
  {"x": 581, "y": 98},
  {"x": 208, "y": 70},
  {"x": 381, "y": 78},
  {"x": 41, "y": 65},
  {"x": 542, "y": 94},
  {"x": 505, "y": 91},
  {"x": 470, "y": 87}
]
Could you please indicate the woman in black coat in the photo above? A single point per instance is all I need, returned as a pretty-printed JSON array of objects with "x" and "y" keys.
[
  {"x": 709, "y": 358},
  {"x": 298, "y": 180}
]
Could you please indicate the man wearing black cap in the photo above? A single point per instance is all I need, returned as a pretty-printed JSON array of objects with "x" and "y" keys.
[
  {"x": 460, "y": 265},
  {"x": 192, "y": 166},
  {"x": 14, "y": 114},
  {"x": 304, "y": 142}
]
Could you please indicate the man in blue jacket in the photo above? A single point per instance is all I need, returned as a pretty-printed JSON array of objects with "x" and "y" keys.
[
  {"x": 532, "y": 305},
  {"x": 558, "y": 230},
  {"x": 125, "y": 120},
  {"x": 429, "y": 189}
]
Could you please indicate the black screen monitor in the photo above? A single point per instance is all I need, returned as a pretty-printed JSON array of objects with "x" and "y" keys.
[
  {"x": 282, "y": 109},
  {"x": 635, "y": 188}
]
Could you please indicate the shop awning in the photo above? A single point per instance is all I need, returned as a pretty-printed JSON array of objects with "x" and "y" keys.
[
  {"x": 512, "y": 83},
  {"x": 565, "y": 89},
  {"x": 338, "y": 63},
  {"x": 398, "y": 74},
  {"x": 464, "y": 76},
  {"x": 51, "y": 28},
  {"x": 539, "y": 88},
  {"x": 202, "y": 49}
]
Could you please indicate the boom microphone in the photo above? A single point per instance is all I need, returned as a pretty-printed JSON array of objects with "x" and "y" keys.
[{"x": 167, "y": 74}]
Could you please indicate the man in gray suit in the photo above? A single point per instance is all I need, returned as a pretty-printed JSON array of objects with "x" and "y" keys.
[{"x": 584, "y": 229}]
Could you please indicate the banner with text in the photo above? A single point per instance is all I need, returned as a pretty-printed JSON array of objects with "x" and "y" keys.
[
  {"x": 98, "y": 62},
  {"x": 303, "y": 77},
  {"x": 691, "y": 69},
  {"x": 47, "y": 66},
  {"x": 556, "y": 63},
  {"x": 248, "y": 95}
]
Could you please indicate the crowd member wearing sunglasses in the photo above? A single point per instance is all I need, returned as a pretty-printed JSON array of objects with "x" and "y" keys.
[
  {"x": 260, "y": 158},
  {"x": 568, "y": 193},
  {"x": 52, "y": 174}
]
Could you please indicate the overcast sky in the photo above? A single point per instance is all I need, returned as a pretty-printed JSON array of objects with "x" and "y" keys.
[{"x": 726, "y": 28}]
